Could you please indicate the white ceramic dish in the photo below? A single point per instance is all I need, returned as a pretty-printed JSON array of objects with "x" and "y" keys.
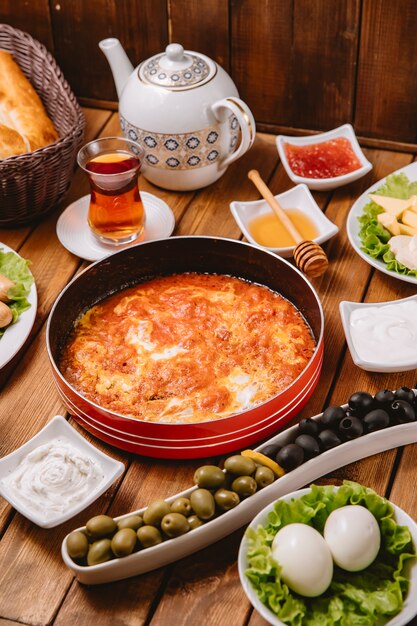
[
  {"x": 174, "y": 549},
  {"x": 323, "y": 184},
  {"x": 74, "y": 234},
  {"x": 410, "y": 604},
  {"x": 346, "y": 308},
  {"x": 298, "y": 197},
  {"x": 16, "y": 334},
  {"x": 58, "y": 427},
  {"x": 353, "y": 226}
]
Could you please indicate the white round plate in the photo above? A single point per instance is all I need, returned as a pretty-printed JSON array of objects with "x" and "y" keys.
[
  {"x": 16, "y": 334},
  {"x": 353, "y": 226},
  {"x": 74, "y": 234},
  {"x": 409, "y": 609}
]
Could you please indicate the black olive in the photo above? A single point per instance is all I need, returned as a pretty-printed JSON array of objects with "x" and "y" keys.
[
  {"x": 290, "y": 457},
  {"x": 402, "y": 412},
  {"x": 308, "y": 426},
  {"x": 328, "y": 439},
  {"x": 361, "y": 402},
  {"x": 309, "y": 444},
  {"x": 375, "y": 420},
  {"x": 331, "y": 416},
  {"x": 384, "y": 398},
  {"x": 350, "y": 428},
  {"x": 271, "y": 451},
  {"x": 404, "y": 393}
]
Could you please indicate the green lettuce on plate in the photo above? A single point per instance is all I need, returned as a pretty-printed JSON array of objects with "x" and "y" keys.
[
  {"x": 365, "y": 598},
  {"x": 373, "y": 236},
  {"x": 17, "y": 270}
]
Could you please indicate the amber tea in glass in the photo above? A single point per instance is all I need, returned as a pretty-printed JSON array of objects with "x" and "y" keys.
[{"x": 116, "y": 215}]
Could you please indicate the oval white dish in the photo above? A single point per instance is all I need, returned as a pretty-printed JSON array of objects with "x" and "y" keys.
[
  {"x": 174, "y": 549},
  {"x": 353, "y": 226},
  {"x": 56, "y": 428},
  {"x": 410, "y": 604},
  {"x": 323, "y": 184},
  {"x": 16, "y": 334},
  {"x": 299, "y": 198},
  {"x": 346, "y": 309}
]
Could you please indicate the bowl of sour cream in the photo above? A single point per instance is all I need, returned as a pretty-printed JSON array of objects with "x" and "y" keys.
[
  {"x": 382, "y": 336},
  {"x": 56, "y": 474}
]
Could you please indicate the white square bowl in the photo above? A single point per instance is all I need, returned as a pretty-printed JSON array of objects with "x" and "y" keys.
[
  {"x": 58, "y": 427},
  {"x": 323, "y": 184},
  {"x": 298, "y": 197},
  {"x": 346, "y": 308}
]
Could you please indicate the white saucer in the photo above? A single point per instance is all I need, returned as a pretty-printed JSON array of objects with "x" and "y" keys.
[{"x": 74, "y": 234}]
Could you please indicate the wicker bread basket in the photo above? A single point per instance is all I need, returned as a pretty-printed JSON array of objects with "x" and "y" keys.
[{"x": 32, "y": 184}]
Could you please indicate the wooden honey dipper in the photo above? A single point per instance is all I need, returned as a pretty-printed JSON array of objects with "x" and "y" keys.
[{"x": 309, "y": 257}]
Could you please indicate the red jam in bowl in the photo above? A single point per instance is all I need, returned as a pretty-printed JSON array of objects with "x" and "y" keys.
[{"x": 325, "y": 159}]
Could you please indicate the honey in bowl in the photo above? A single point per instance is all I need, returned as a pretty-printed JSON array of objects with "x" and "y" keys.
[{"x": 268, "y": 230}]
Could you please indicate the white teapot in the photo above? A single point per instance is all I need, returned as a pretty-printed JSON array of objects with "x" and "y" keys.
[{"x": 185, "y": 112}]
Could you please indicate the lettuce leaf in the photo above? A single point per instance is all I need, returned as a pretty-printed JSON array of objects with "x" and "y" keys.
[
  {"x": 17, "y": 270},
  {"x": 363, "y": 598},
  {"x": 373, "y": 236}
]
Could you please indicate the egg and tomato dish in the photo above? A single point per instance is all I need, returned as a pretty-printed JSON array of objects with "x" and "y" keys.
[{"x": 187, "y": 348}]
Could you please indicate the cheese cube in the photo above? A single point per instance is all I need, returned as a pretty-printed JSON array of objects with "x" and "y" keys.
[
  {"x": 413, "y": 205},
  {"x": 394, "y": 206},
  {"x": 409, "y": 218},
  {"x": 407, "y": 230},
  {"x": 389, "y": 222}
]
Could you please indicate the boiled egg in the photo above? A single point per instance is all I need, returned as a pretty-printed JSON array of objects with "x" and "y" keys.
[
  {"x": 305, "y": 559},
  {"x": 353, "y": 536}
]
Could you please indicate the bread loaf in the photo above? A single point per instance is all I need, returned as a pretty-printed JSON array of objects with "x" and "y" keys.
[{"x": 24, "y": 123}]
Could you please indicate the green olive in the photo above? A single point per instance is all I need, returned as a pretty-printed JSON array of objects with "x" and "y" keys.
[
  {"x": 264, "y": 476},
  {"x": 209, "y": 477},
  {"x": 99, "y": 552},
  {"x": 155, "y": 512},
  {"x": 194, "y": 522},
  {"x": 133, "y": 521},
  {"x": 203, "y": 504},
  {"x": 240, "y": 465},
  {"x": 244, "y": 486},
  {"x": 175, "y": 524},
  {"x": 181, "y": 505},
  {"x": 124, "y": 542},
  {"x": 77, "y": 545},
  {"x": 226, "y": 499},
  {"x": 101, "y": 526},
  {"x": 149, "y": 536}
]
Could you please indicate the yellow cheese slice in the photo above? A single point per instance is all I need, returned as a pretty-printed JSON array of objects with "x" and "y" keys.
[
  {"x": 394, "y": 206},
  {"x": 413, "y": 205},
  {"x": 389, "y": 222},
  {"x": 409, "y": 218},
  {"x": 407, "y": 230}
]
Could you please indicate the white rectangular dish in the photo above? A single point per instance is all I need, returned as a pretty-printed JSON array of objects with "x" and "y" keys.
[{"x": 59, "y": 477}]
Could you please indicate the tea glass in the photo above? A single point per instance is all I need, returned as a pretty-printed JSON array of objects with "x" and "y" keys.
[{"x": 116, "y": 215}]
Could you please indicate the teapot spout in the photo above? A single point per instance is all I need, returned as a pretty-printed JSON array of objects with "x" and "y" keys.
[{"x": 118, "y": 60}]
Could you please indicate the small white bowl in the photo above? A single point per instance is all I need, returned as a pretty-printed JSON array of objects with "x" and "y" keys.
[
  {"x": 346, "y": 308},
  {"x": 298, "y": 197},
  {"x": 401, "y": 619},
  {"x": 56, "y": 428},
  {"x": 325, "y": 183}
]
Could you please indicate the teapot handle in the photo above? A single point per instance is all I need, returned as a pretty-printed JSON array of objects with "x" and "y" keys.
[{"x": 221, "y": 109}]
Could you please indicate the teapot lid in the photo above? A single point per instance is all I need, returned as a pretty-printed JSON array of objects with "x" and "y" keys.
[{"x": 177, "y": 69}]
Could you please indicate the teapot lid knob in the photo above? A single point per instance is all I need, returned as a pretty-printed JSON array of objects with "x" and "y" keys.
[{"x": 175, "y": 52}]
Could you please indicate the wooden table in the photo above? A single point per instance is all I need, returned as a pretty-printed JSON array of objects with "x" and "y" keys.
[{"x": 35, "y": 586}]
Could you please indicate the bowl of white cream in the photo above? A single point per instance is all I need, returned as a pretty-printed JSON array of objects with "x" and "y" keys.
[
  {"x": 382, "y": 336},
  {"x": 56, "y": 474}
]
